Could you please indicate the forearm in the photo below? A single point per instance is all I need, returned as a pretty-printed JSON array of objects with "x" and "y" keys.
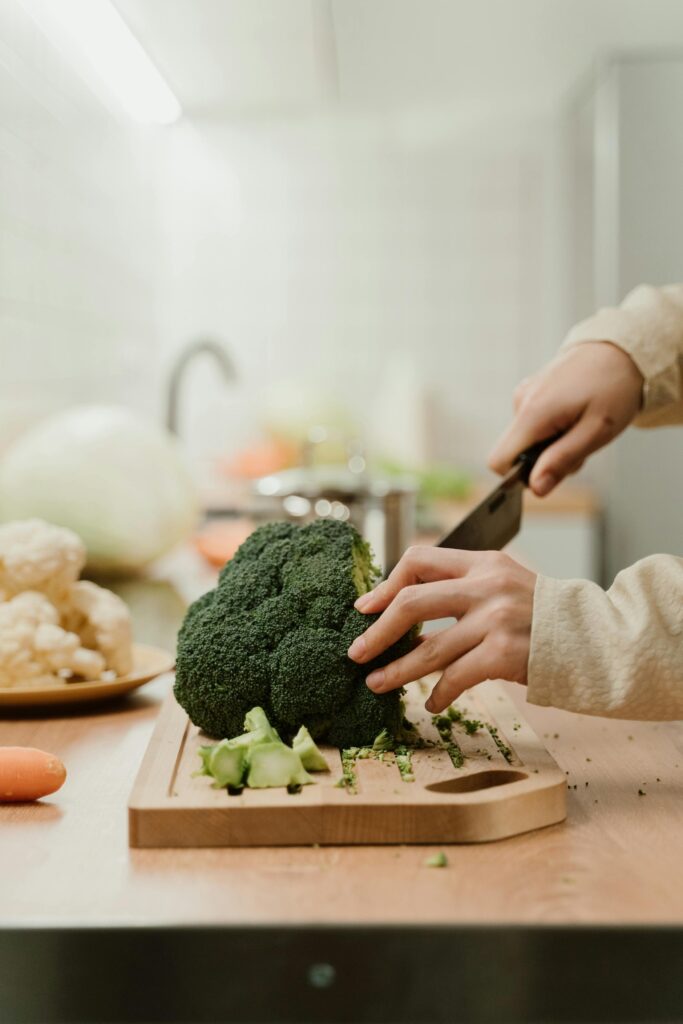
[
  {"x": 617, "y": 653},
  {"x": 648, "y": 325}
]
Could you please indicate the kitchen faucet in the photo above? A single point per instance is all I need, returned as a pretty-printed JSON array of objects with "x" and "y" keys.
[{"x": 186, "y": 355}]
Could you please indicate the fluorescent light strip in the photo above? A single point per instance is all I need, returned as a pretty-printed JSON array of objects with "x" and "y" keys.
[{"x": 102, "y": 39}]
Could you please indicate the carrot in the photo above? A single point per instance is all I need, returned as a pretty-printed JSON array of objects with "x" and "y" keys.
[{"x": 29, "y": 774}]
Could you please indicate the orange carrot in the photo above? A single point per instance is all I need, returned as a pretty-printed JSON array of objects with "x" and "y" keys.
[{"x": 29, "y": 774}]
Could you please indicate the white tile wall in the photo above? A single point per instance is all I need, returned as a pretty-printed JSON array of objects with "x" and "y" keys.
[
  {"x": 353, "y": 250},
  {"x": 78, "y": 238},
  {"x": 332, "y": 247}
]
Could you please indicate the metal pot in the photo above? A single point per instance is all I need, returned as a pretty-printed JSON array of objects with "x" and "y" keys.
[{"x": 381, "y": 508}]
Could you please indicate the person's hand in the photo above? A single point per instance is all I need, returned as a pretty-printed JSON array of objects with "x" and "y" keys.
[
  {"x": 490, "y": 595},
  {"x": 589, "y": 394}
]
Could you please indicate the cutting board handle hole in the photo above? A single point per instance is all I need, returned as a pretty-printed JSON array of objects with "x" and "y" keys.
[{"x": 476, "y": 781}]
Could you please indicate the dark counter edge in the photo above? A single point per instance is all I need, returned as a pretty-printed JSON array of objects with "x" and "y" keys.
[{"x": 340, "y": 974}]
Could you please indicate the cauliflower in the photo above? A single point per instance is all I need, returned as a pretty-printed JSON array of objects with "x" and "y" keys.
[
  {"x": 102, "y": 621},
  {"x": 53, "y": 626},
  {"x": 34, "y": 555},
  {"x": 35, "y": 650}
]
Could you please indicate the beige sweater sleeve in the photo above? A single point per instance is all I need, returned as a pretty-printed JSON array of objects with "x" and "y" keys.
[
  {"x": 649, "y": 326},
  {"x": 620, "y": 653},
  {"x": 617, "y": 653}
]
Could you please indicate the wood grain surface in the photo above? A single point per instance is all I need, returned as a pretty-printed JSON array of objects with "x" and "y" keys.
[
  {"x": 499, "y": 790},
  {"x": 617, "y": 858}
]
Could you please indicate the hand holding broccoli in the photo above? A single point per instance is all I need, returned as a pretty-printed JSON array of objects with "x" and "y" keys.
[{"x": 489, "y": 594}]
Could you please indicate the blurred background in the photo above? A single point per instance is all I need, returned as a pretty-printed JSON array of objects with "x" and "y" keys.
[{"x": 320, "y": 242}]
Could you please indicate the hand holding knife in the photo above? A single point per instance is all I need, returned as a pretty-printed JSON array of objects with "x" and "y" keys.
[{"x": 498, "y": 518}]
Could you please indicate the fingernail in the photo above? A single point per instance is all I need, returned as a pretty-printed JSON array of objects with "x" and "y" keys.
[
  {"x": 545, "y": 483},
  {"x": 357, "y": 649},
  {"x": 429, "y": 705},
  {"x": 362, "y": 601},
  {"x": 376, "y": 679}
]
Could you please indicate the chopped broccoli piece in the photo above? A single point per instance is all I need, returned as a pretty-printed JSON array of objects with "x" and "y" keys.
[
  {"x": 256, "y": 721},
  {"x": 383, "y": 742},
  {"x": 275, "y": 764},
  {"x": 311, "y": 758},
  {"x": 205, "y": 755},
  {"x": 227, "y": 764},
  {"x": 275, "y": 634},
  {"x": 437, "y": 860},
  {"x": 258, "y": 730}
]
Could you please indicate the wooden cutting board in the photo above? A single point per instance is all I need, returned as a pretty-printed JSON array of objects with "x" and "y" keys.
[{"x": 507, "y": 783}]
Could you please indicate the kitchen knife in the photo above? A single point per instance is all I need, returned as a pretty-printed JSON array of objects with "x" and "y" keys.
[{"x": 497, "y": 519}]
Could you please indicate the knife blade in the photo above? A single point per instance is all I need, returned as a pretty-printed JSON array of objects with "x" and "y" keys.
[{"x": 498, "y": 517}]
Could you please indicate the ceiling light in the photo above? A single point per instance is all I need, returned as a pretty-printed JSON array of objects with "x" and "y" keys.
[{"x": 93, "y": 33}]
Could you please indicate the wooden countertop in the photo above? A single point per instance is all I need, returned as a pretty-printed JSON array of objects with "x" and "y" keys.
[{"x": 65, "y": 861}]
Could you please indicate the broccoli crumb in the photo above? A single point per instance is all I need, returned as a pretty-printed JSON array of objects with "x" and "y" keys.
[
  {"x": 443, "y": 725},
  {"x": 404, "y": 761},
  {"x": 641, "y": 792},
  {"x": 470, "y": 725},
  {"x": 437, "y": 860},
  {"x": 503, "y": 747},
  {"x": 349, "y": 779}
]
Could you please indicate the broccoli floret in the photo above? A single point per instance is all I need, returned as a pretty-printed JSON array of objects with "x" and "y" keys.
[
  {"x": 311, "y": 758},
  {"x": 275, "y": 633}
]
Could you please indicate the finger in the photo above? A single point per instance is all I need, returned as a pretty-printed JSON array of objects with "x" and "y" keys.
[
  {"x": 422, "y": 564},
  {"x": 436, "y": 652},
  {"x": 519, "y": 393},
  {"x": 464, "y": 673},
  {"x": 566, "y": 455},
  {"x": 533, "y": 422},
  {"x": 417, "y": 603}
]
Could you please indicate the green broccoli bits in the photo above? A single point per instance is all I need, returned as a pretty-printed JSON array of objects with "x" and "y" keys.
[{"x": 275, "y": 634}]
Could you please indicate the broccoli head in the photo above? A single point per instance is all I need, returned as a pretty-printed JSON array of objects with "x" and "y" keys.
[{"x": 275, "y": 633}]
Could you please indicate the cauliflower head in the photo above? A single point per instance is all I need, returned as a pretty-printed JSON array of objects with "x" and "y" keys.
[
  {"x": 35, "y": 650},
  {"x": 37, "y": 556},
  {"x": 102, "y": 621}
]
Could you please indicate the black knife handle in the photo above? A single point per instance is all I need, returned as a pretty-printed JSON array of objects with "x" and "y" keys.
[{"x": 530, "y": 455}]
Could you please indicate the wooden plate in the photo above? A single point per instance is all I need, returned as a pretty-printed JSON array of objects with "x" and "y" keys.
[{"x": 148, "y": 662}]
